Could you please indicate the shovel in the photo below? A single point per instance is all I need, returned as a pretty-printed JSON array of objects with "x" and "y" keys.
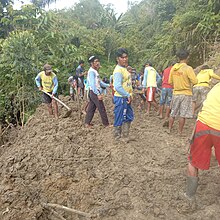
[{"x": 68, "y": 113}]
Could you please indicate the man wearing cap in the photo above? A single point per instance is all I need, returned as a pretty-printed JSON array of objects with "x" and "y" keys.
[
  {"x": 47, "y": 81},
  {"x": 122, "y": 97},
  {"x": 206, "y": 136},
  {"x": 95, "y": 96}
]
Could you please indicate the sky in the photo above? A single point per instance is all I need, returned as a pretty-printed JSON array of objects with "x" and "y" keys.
[{"x": 120, "y": 6}]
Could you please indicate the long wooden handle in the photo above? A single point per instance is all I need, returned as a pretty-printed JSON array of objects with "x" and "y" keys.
[{"x": 68, "y": 108}]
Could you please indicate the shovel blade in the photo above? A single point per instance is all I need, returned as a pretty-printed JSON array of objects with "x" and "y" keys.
[{"x": 68, "y": 113}]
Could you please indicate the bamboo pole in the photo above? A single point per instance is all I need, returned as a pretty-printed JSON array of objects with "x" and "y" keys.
[{"x": 56, "y": 206}]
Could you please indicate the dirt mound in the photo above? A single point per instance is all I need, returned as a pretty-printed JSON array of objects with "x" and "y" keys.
[{"x": 61, "y": 162}]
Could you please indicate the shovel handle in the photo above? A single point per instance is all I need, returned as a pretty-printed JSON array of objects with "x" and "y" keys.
[{"x": 55, "y": 98}]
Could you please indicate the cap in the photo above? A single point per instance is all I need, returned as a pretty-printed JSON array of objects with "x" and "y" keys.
[{"x": 92, "y": 58}]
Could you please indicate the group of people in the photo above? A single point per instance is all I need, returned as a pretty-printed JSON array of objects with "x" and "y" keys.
[{"x": 177, "y": 94}]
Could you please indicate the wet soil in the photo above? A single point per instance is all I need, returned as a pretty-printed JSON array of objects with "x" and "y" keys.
[{"x": 62, "y": 162}]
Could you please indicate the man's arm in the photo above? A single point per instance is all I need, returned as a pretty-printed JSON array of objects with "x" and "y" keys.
[
  {"x": 38, "y": 81},
  {"x": 192, "y": 76},
  {"x": 214, "y": 76},
  {"x": 158, "y": 78},
  {"x": 105, "y": 85},
  {"x": 55, "y": 82},
  {"x": 144, "y": 83},
  {"x": 117, "y": 82}
]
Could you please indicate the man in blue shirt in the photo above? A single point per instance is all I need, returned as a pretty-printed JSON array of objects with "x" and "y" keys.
[
  {"x": 122, "y": 97},
  {"x": 95, "y": 96},
  {"x": 80, "y": 73}
]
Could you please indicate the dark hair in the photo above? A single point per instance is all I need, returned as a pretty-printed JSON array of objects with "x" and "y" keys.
[
  {"x": 47, "y": 67},
  {"x": 172, "y": 63},
  {"x": 148, "y": 63},
  {"x": 129, "y": 68},
  {"x": 182, "y": 54},
  {"x": 120, "y": 52},
  {"x": 81, "y": 62},
  {"x": 92, "y": 58},
  {"x": 204, "y": 67}
]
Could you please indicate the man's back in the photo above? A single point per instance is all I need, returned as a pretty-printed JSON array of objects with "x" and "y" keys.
[
  {"x": 151, "y": 76},
  {"x": 182, "y": 77},
  {"x": 166, "y": 75},
  {"x": 204, "y": 77},
  {"x": 79, "y": 71},
  {"x": 210, "y": 113}
]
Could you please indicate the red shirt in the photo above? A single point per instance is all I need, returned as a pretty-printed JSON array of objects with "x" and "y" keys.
[{"x": 166, "y": 74}]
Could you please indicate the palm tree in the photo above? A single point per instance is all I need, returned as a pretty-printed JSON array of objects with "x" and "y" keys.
[{"x": 42, "y": 3}]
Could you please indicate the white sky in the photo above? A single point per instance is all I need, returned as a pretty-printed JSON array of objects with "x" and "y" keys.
[{"x": 119, "y": 5}]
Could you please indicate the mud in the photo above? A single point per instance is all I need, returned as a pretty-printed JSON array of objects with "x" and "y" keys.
[{"x": 61, "y": 162}]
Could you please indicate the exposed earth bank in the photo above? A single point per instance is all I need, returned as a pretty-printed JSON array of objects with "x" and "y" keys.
[{"x": 61, "y": 162}]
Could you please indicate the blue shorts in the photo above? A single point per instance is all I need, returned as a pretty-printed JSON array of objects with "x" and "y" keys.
[
  {"x": 122, "y": 112},
  {"x": 166, "y": 96}
]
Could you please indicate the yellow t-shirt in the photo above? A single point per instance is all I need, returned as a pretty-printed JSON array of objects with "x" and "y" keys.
[
  {"x": 126, "y": 83},
  {"x": 47, "y": 81},
  {"x": 204, "y": 77},
  {"x": 210, "y": 113},
  {"x": 151, "y": 76},
  {"x": 182, "y": 77}
]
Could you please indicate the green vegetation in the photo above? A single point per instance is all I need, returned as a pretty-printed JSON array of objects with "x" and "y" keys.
[{"x": 152, "y": 30}]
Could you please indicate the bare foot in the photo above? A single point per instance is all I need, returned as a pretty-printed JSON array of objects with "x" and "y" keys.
[
  {"x": 88, "y": 126},
  {"x": 83, "y": 112},
  {"x": 108, "y": 126},
  {"x": 168, "y": 131},
  {"x": 166, "y": 123}
]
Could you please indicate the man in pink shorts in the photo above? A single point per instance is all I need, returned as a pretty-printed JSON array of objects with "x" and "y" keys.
[{"x": 206, "y": 136}]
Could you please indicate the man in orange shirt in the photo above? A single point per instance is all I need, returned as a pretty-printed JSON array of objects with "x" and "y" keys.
[
  {"x": 182, "y": 77},
  {"x": 166, "y": 94}
]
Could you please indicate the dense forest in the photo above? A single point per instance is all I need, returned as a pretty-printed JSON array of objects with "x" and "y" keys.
[{"x": 151, "y": 30}]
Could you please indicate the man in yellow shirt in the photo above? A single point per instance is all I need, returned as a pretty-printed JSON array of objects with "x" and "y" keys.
[
  {"x": 202, "y": 88},
  {"x": 47, "y": 81},
  {"x": 207, "y": 135},
  {"x": 151, "y": 77},
  {"x": 123, "y": 111},
  {"x": 182, "y": 77}
]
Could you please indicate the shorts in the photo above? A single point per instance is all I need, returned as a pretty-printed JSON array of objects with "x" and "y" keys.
[
  {"x": 46, "y": 98},
  {"x": 200, "y": 92},
  {"x": 204, "y": 139},
  {"x": 80, "y": 84},
  {"x": 181, "y": 105},
  {"x": 166, "y": 96},
  {"x": 150, "y": 94}
]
